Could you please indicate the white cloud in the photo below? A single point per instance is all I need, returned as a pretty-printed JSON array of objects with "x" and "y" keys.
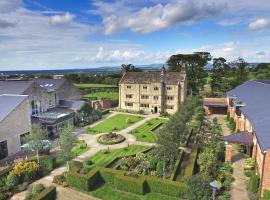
[
  {"x": 259, "y": 24},
  {"x": 62, "y": 19},
  {"x": 156, "y": 17}
]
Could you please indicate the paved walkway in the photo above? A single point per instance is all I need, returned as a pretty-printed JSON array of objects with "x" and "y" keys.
[
  {"x": 67, "y": 193},
  {"x": 238, "y": 188}
]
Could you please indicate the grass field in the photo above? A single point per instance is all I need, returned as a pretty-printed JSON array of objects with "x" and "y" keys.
[
  {"x": 103, "y": 95},
  {"x": 92, "y": 85},
  {"x": 117, "y": 122},
  {"x": 102, "y": 159},
  {"x": 144, "y": 132},
  {"x": 80, "y": 148},
  {"x": 107, "y": 192}
]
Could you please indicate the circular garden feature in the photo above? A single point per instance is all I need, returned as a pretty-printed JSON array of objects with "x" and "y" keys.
[{"x": 111, "y": 138}]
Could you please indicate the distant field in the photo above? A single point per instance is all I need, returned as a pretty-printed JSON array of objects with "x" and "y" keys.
[
  {"x": 92, "y": 85},
  {"x": 103, "y": 95}
]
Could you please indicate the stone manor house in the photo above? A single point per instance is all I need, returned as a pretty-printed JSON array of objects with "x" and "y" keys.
[
  {"x": 152, "y": 92},
  {"x": 52, "y": 103},
  {"x": 249, "y": 105}
]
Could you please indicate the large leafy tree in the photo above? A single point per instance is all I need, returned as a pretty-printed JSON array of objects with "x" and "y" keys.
[
  {"x": 196, "y": 73},
  {"x": 66, "y": 142},
  {"x": 35, "y": 139},
  {"x": 130, "y": 68},
  {"x": 219, "y": 75},
  {"x": 241, "y": 72}
]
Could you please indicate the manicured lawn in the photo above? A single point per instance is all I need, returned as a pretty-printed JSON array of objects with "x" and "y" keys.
[
  {"x": 92, "y": 85},
  {"x": 107, "y": 192},
  {"x": 103, "y": 95},
  {"x": 102, "y": 159},
  {"x": 144, "y": 132},
  {"x": 117, "y": 122},
  {"x": 80, "y": 148}
]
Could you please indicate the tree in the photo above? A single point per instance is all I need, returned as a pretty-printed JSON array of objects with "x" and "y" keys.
[
  {"x": 219, "y": 75},
  {"x": 130, "y": 68},
  {"x": 66, "y": 142},
  {"x": 35, "y": 139},
  {"x": 196, "y": 73},
  {"x": 241, "y": 72}
]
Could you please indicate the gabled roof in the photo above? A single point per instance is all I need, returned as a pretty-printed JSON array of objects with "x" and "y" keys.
[
  {"x": 8, "y": 103},
  {"x": 72, "y": 104},
  {"x": 50, "y": 84},
  {"x": 172, "y": 78},
  {"x": 256, "y": 97},
  {"x": 14, "y": 87}
]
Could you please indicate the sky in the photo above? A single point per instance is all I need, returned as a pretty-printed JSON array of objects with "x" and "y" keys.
[{"x": 60, "y": 34}]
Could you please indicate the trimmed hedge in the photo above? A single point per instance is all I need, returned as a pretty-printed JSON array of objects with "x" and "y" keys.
[
  {"x": 191, "y": 162},
  {"x": 130, "y": 184},
  {"x": 177, "y": 166},
  {"x": 166, "y": 187},
  {"x": 47, "y": 194},
  {"x": 104, "y": 112},
  {"x": 84, "y": 182},
  {"x": 108, "y": 174},
  {"x": 48, "y": 163}
]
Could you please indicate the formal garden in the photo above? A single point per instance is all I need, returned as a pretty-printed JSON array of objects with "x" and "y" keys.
[
  {"x": 147, "y": 132},
  {"x": 114, "y": 124}
]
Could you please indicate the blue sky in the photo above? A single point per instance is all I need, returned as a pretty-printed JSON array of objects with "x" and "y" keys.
[{"x": 58, "y": 34}]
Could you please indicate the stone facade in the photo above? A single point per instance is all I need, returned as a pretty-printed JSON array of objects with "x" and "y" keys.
[
  {"x": 152, "y": 92},
  {"x": 17, "y": 123}
]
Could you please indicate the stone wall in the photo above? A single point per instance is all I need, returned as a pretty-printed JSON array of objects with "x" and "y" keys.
[{"x": 15, "y": 124}]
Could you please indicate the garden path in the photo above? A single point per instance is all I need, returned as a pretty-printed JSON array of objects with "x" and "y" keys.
[{"x": 238, "y": 188}]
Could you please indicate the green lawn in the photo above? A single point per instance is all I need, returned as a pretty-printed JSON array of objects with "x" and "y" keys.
[
  {"x": 92, "y": 85},
  {"x": 144, "y": 132},
  {"x": 107, "y": 192},
  {"x": 102, "y": 159},
  {"x": 80, "y": 148},
  {"x": 117, "y": 122},
  {"x": 103, "y": 95}
]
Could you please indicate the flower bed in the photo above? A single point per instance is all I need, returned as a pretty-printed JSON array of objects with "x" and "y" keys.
[{"x": 111, "y": 138}]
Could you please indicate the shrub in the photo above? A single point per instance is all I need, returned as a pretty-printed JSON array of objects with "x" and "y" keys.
[
  {"x": 225, "y": 196},
  {"x": 22, "y": 186},
  {"x": 159, "y": 168},
  {"x": 84, "y": 182},
  {"x": 253, "y": 184},
  {"x": 12, "y": 180},
  {"x": 59, "y": 179},
  {"x": 28, "y": 196},
  {"x": 198, "y": 188},
  {"x": 37, "y": 188},
  {"x": 48, "y": 163},
  {"x": 266, "y": 195},
  {"x": 166, "y": 187},
  {"x": 130, "y": 184},
  {"x": 249, "y": 163},
  {"x": 128, "y": 121},
  {"x": 141, "y": 112},
  {"x": 26, "y": 169},
  {"x": 104, "y": 112},
  {"x": 47, "y": 194}
]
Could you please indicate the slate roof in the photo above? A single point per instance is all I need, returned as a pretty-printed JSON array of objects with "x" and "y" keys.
[
  {"x": 172, "y": 78},
  {"x": 50, "y": 84},
  {"x": 72, "y": 104},
  {"x": 14, "y": 87},
  {"x": 244, "y": 138},
  {"x": 256, "y": 96},
  {"x": 8, "y": 103}
]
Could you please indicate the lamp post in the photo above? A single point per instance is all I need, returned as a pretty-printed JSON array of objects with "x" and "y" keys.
[{"x": 215, "y": 185}]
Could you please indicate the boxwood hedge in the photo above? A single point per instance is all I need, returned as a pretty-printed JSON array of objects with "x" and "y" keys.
[{"x": 47, "y": 194}]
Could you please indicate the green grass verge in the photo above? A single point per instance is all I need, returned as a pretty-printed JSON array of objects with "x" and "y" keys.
[
  {"x": 144, "y": 132},
  {"x": 79, "y": 148},
  {"x": 92, "y": 85},
  {"x": 117, "y": 122},
  {"x": 102, "y": 159},
  {"x": 103, "y": 95},
  {"x": 107, "y": 192}
]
